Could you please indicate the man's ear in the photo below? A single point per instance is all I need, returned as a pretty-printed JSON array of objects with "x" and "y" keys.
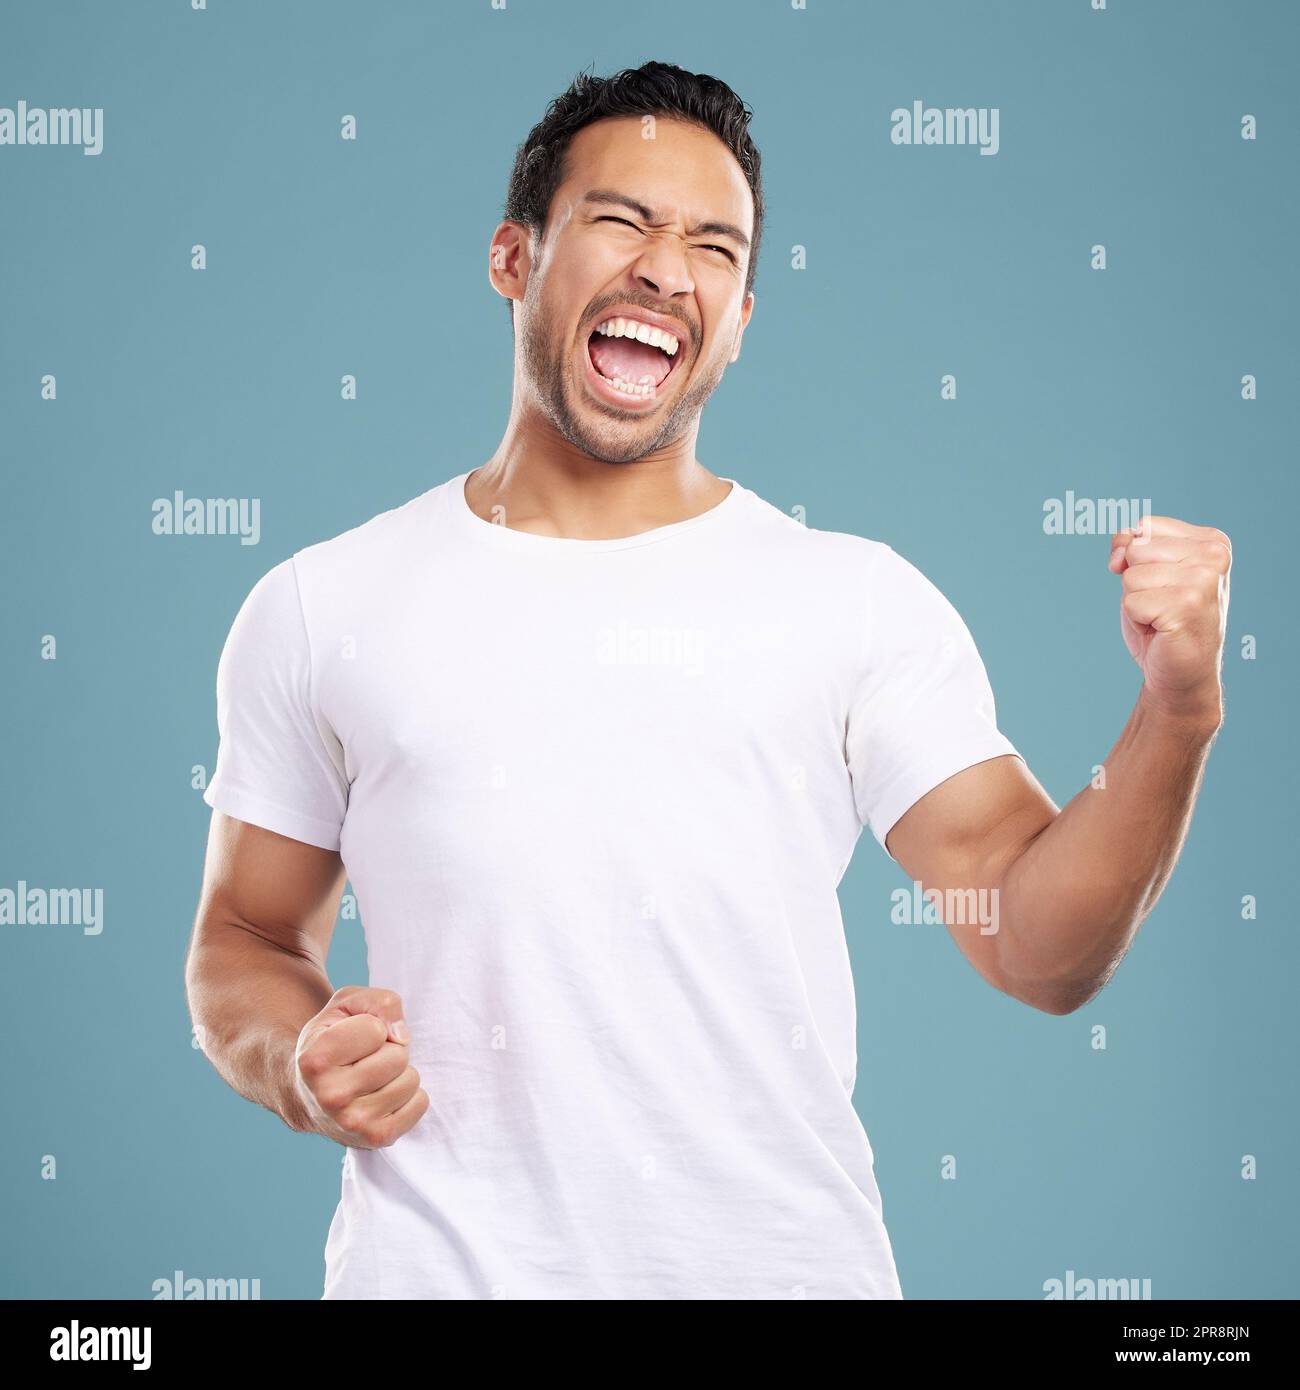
[
  {"x": 746, "y": 309},
  {"x": 510, "y": 259}
]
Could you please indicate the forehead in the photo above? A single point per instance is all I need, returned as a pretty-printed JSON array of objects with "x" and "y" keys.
[{"x": 683, "y": 170}]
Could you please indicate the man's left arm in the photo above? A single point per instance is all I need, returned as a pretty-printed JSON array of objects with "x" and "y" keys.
[{"x": 1073, "y": 886}]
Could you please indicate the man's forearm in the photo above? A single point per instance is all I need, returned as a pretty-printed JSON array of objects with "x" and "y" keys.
[
  {"x": 1072, "y": 901},
  {"x": 249, "y": 1000}
]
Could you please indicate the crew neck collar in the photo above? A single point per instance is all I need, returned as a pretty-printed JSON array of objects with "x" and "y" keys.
[{"x": 471, "y": 524}]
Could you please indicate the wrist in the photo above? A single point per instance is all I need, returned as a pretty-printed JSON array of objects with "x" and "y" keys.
[
  {"x": 1195, "y": 715},
  {"x": 293, "y": 1109}
]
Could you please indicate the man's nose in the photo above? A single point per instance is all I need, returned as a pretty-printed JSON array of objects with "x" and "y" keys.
[{"x": 661, "y": 267}]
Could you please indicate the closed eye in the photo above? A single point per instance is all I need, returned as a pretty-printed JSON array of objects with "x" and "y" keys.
[{"x": 608, "y": 217}]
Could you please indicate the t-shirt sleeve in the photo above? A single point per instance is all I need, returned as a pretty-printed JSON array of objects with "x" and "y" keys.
[
  {"x": 923, "y": 710},
  {"x": 279, "y": 765}
]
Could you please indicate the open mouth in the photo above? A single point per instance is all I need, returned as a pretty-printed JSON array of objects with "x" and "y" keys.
[{"x": 632, "y": 360}]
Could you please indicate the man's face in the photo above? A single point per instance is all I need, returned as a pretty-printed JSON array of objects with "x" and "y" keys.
[{"x": 653, "y": 230}]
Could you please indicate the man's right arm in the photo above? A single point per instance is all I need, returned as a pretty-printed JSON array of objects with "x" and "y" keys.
[{"x": 327, "y": 1062}]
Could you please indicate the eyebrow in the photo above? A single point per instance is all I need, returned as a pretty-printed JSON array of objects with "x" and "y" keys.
[{"x": 610, "y": 195}]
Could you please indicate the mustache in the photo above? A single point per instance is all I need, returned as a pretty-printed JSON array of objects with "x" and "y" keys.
[{"x": 692, "y": 331}]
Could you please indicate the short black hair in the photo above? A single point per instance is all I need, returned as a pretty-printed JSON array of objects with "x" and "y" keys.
[{"x": 653, "y": 89}]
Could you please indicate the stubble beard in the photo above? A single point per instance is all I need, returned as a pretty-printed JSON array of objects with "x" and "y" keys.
[{"x": 623, "y": 440}]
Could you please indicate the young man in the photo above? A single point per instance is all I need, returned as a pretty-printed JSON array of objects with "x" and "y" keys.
[{"x": 594, "y": 732}]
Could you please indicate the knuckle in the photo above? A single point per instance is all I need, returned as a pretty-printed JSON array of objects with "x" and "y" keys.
[
  {"x": 331, "y": 1098},
  {"x": 414, "y": 1112},
  {"x": 387, "y": 1076},
  {"x": 410, "y": 1119},
  {"x": 310, "y": 1064}
]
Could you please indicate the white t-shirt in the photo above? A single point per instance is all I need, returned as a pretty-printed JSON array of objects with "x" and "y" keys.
[{"x": 595, "y": 798}]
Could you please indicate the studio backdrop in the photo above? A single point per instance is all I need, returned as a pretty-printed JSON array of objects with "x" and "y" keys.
[{"x": 253, "y": 271}]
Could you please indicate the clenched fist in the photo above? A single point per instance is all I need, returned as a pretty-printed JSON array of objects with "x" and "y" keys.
[
  {"x": 352, "y": 1070},
  {"x": 1174, "y": 613}
]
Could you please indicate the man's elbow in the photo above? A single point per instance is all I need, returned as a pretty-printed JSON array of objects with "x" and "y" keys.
[
  {"x": 1054, "y": 997},
  {"x": 1056, "y": 994},
  {"x": 1058, "y": 987},
  {"x": 1061, "y": 1005}
]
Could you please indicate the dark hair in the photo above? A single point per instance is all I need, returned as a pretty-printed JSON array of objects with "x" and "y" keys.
[{"x": 653, "y": 89}]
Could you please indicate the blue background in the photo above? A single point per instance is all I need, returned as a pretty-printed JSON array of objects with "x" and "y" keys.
[{"x": 326, "y": 257}]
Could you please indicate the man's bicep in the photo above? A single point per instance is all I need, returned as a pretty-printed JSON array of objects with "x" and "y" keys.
[
  {"x": 283, "y": 890},
  {"x": 961, "y": 837},
  {"x": 966, "y": 831}
]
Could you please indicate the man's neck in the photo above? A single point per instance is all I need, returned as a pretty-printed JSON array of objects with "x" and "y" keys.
[{"x": 546, "y": 486}]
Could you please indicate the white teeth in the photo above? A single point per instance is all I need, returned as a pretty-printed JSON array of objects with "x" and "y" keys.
[
  {"x": 642, "y": 332},
  {"x": 645, "y": 387}
]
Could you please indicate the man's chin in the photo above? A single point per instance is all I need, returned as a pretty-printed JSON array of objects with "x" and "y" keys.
[
  {"x": 612, "y": 444},
  {"x": 612, "y": 435}
]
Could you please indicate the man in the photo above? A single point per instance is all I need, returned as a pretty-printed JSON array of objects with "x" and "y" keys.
[{"x": 594, "y": 733}]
